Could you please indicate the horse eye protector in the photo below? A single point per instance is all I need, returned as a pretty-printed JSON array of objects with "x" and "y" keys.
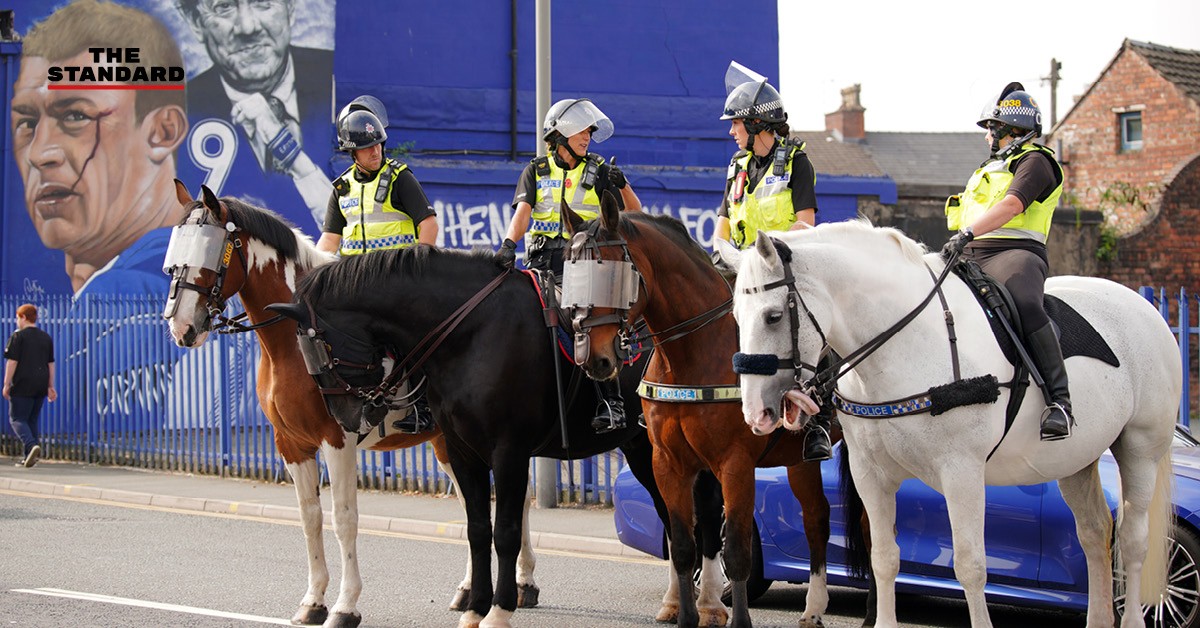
[
  {"x": 198, "y": 246},
  {"x": 592, "y": 283}
]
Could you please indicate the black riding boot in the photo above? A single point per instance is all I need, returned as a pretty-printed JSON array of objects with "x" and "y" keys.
[
  {"x": 1047, "y": 356},
  {"x": 817, "y": 446},
  {"x": 610, "y": 412},
  {"x": 417, "y": 421}
]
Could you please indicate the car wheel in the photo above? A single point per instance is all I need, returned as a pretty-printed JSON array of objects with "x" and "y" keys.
[
  {"x": 1180, "y": 607},
  {"x": 756, "y": 585}
]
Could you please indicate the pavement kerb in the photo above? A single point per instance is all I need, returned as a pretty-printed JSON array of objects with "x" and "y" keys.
[{"x": 433, "y": 529}]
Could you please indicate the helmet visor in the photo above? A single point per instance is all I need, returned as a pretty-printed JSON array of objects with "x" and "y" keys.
[
  {"x": 580, "y": 115},
  {"x": 368, "y": 102},
  {"x": 738, "y": 75}
]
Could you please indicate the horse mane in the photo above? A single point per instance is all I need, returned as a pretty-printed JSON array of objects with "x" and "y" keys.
[
  {"x": 861, "y": 234},
  {"x": 670, "y": 227},
  {"x": 274, "y": 231},
  {"x": 352, "y": 275}
]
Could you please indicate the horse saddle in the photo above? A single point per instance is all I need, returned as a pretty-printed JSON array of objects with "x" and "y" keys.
[{"x": 1076, "y": 335}]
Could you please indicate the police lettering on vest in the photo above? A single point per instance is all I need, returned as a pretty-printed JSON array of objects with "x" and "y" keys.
[
  {"x": 545, "y": 219},
  {"x": 372, "y": 226},
  {"x": 989, "y": 185},
  {"x": 768, "y": 206}
]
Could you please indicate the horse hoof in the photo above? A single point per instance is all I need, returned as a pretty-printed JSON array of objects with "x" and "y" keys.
[
  {"x": 310, "y": 615},
  {"x": 668, "y": 614},
  {"x": 527, "y": 596},
  {"x": 713, "y": 617},
  {"x": 343, "y": 620},
  {"x": 470, "y": 619},
  {"x": 811, "y": 623},
  {"x": 459, "y": 603}
]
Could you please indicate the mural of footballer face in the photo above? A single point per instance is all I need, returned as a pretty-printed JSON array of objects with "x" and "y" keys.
[{"x": 98, "y": 169}]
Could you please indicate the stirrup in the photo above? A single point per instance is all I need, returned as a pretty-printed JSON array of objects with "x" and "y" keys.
[
  {"x": 814, "y": 451},
  {"x": 1054, "y": 435},
  {"x": 608, "y": 418}
]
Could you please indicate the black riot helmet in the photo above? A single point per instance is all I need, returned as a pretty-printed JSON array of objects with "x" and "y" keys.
[
  {"x": 368, "y": 102},
  {"x": 360, "y": 129},
  {"x": 750, "y": 96},
  {"x": 1013, "y": 107}
]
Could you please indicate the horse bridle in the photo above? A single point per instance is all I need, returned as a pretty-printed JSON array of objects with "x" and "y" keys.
[
  {"x": 588, "y": 242},
  {"x": 590, "y": 281},
  {"x": 212, "y": 256},
  {"x": 823, "y": 382},
  {"x": 177, "y": 261}
]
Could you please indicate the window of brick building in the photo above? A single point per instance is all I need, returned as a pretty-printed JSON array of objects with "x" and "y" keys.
[{"x": 1131, "y": 130}]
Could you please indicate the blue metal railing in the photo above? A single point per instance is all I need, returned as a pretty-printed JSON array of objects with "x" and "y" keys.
[
  {"x": 129, "y": 396},
  {"x": 1184, "y": 332}
]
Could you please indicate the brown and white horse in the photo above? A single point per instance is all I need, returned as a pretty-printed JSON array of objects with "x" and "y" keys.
[{"x": 260, "y": 259}]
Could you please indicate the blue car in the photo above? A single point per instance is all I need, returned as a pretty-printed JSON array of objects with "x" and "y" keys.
[{"x": 1034, "y": 558}]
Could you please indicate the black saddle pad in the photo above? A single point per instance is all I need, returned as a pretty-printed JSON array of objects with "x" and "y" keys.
[{"x": 1076, "y": 335}]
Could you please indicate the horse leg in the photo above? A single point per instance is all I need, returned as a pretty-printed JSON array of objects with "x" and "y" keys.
[
  {"x": 805, "y": 482},
  {"x": 511, "y": 476},
  {"x": 1146, "y": 517},
  {"x": 878, "y": 495},
  {"x": 475, "y": 486},
  {"x": 639, "y": 458},
  {"x": 459, "y": 601},
  {"x": 676, "y": 489},
  {"x": 706, "y": 495},
  {"x": 312, "y": 610},
  {"x": 527, "y": 589},
  {"x": 1093, "y": 523},
  {"x": 737, "y": 485},
  {"x": 344, "y": 486},
  {"x": 965, "y": 503}
]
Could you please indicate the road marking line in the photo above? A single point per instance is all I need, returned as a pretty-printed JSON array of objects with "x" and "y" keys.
[{"x": 124, "y": 601}]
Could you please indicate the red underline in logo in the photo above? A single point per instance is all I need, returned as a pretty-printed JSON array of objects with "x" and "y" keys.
[{"x": 104, "y": 86}]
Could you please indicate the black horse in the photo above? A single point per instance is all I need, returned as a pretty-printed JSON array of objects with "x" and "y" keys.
[{"x": 490, "y": 383}]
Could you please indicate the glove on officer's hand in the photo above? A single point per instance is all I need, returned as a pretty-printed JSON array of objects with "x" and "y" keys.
[
  {"x": 616, "y": 178},
  {"x": 957, "y": 243},
  {"x": 507, "y": 255}
]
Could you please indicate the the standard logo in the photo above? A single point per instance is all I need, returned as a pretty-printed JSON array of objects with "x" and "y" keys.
[{"x": 122, "y": 69}]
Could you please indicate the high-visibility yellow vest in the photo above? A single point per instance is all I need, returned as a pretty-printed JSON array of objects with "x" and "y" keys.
[
  {"x": 372, "y": 226},
  {"x": 768, "y": 206},
  {"x": 989, "y": 185},
  {"x": 552, "y": 181}
]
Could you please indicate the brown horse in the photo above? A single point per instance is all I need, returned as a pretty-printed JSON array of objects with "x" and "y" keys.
[
  {"x": 270, "y": 256},
  {"x": 685, "y": 303}
]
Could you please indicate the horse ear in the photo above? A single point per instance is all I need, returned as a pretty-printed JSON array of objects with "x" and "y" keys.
[
  {"x": 609, "y": 212},
  {"x": 181, "y": 193},
  {"x": 294, "y": 311},
  {"x": 210, "y": 201},
  {"x": 572, "y": 220},
  {"x": 729, "y": 253},
  {"x": 766, "y": 248}
]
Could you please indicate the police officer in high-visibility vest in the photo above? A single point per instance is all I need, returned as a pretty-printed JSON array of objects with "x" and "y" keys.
[
  {"x": 581, "y": 177},
  {"x": 770, "y": 180},
  {"x": 769, "y": 186},
  {"x": 377, "y": 204},
  {"x": 1003, "y": 218}
]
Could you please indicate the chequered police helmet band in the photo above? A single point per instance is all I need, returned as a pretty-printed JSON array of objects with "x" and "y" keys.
[
  {"x": 759, "y": 108},
  {"x": 1016, "y": 111}
]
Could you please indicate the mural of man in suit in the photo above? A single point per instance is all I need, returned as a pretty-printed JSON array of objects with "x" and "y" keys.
[{"x": 277, "y": 96}]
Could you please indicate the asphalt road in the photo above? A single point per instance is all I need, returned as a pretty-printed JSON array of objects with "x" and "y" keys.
[{"x": 69, "y": 562}]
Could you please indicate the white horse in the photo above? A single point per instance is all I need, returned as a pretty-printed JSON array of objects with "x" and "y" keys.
[{"x": 853, "y": 281}]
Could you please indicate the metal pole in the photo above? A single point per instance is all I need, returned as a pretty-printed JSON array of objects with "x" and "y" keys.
[{"x": 546, "y": 469}]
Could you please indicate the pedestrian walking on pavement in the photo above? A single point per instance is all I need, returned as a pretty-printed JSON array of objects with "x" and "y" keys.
[{"x": 28, "y": 380}]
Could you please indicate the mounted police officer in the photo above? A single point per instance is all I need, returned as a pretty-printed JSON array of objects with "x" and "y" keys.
[
  {"x": 1003, "y": 219},
  {"x": 770, "y": 180},
  {"x": 581, "y": 177},
  {"x": 377, "y": 204},
  {"x": 769, "y": 186}
]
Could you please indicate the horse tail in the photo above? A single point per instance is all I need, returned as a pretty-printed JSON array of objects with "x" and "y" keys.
[
  {"x": 1154, "y": 569},
  {"x": 858, "y": 558}
]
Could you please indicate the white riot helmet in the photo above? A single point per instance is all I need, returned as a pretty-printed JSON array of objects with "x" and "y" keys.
[{"x": 572, "y": 115}]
